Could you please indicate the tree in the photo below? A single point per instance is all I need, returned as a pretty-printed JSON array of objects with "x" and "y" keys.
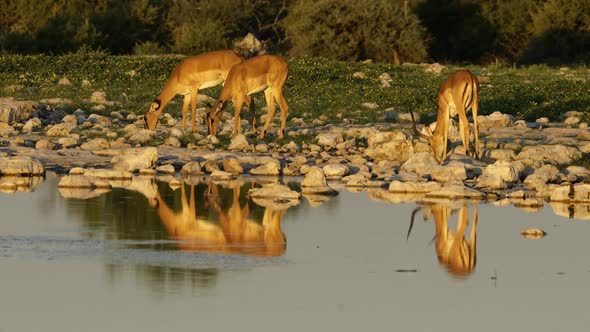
[
  {"x": 458, "y": 30},
  {"x": 560, "y": 32},
  {"x": 354, "y": 30},
  {"x": 512, "y": 20}
]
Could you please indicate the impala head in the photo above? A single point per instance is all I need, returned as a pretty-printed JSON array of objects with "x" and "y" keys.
[
  {"x": 435, "y": 141},
  {"x": 213, "y": 117},
  {"x": 153, "y": 114}
]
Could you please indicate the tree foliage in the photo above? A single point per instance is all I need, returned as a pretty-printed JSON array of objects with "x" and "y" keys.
[
  {"x": 532, "y": 31},
  {"x": 354, "y": 30},
  {"x": 560, "y": 32}
]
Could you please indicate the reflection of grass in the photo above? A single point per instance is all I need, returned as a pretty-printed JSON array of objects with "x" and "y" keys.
[{"x": 315, "y": 86}]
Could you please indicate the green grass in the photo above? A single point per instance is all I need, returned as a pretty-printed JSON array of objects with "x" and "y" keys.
[{"x": 315, "y": 86}]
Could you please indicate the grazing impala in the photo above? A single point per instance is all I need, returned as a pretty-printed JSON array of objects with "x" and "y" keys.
[
  {"x": 192, "y": 74},
  {"x": 234, "y": 232},
  {"x": 266, "y": 73},
  {"x": 457, "y": 95},
  {"x": 454, "y": 252}
]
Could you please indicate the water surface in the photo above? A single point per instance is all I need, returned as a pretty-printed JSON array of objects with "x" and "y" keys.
[{"x": 206, "y": 257}]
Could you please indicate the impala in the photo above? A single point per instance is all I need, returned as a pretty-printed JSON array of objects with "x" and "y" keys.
[
  {"x": 266, "y": 73},
  {"x": 234, "y": 232},
  {"x": 454, "y": 252},
  {"x": 457, "y": 95},
  {"x": 191, "y": 75}
]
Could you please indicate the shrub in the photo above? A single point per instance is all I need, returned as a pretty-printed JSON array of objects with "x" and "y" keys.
[
  {"x": 458, "y": 30},
  {"x": 354, "y": 30},
  {"x": 561, "y": 32},
  {"x": 512, "y": 21}
]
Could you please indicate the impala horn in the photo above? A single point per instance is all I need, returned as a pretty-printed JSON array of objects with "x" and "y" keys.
[{"x": 414, "y": 126}]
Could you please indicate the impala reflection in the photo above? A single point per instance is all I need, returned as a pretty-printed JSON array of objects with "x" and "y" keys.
[
  {"x": 232, "y": 228},
  {"x": 456, "y": 253}
]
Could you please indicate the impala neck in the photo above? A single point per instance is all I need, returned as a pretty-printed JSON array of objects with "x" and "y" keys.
[{"x": 167, "y": 94}]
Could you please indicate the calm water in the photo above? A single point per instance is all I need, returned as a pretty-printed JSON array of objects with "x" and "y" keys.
[{"x": 204, "y": 257}]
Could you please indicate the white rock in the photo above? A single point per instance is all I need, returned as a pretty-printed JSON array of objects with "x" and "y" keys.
[
  {"x": 335, "y": 170},
  {"x": 20, "y": 165},
  {"x": 135, "y": 159},
  {"x": 448, "y": 173},
  {"x": 420, "y": 163},
  {"x": 271, "y": 168}
]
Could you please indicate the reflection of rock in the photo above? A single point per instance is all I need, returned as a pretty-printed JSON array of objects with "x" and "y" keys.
[
  {"x": 529, "y": 204},
  {"x": 316, "y": 200},
  {"x": 81, "y": 193},
  {"x": 80, "y": 181},
  {"x": 532, "y": 233},
  {"x": 12, "y": 184},
  {"x": 393, "y": 197},
  {"x": 569, "y": 210}
]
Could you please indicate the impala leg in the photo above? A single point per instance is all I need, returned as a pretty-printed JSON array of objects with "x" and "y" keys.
[
  {"x": 238, "y": 101},
  {"x": 185, "y": 102},
  {"x": 474, "y": 110},
  {"x": 270, "y": 102},
  {"x": 464, "y": 128},
  {"x": 278, "y": 93},
  {"x": 473, "y": 238},
  {"x": 250, "y": 103},
  {"x": 193, "y": 110}
]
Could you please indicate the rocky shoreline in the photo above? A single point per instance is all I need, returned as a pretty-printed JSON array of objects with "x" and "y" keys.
[{"x": 525, "y": 162}]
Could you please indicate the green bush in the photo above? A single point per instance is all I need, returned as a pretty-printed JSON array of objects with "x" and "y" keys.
[
  {"x": 354, "y": 30},
  {"x": 560, "y": 32},
  {"x": 458, "y": 30},
  {"x": 512, "y": 21}
]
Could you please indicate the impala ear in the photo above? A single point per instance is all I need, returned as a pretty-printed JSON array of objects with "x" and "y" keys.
[{"x": 155, "y": 105}]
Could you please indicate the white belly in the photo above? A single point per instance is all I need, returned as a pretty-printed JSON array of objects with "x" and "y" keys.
[
  {"x": 210, "y": 84},
  {"x": 258, "y": 89}
]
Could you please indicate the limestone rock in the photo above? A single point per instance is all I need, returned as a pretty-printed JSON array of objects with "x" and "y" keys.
[
  {"x": 491, "y": 181},
  {"x": 100, "y": 120},
  {"x": 108, "y": 174},
  {"x": 504, "y": 170},
  {"x": 448, "y": 173},
  {"x": 275, "y": 191},
  {"x": 211, "y": 166},
  {"x": 135, "y": 159},
  {"x": 495, "y": 120},
  {"x": 44, "y": 144},
  {"x": 554, "y": 154},
  {"x": 20, "y": 165},
  {"x": 166, "y": 169},
  {"x": 335, "y": 170},
  {"x": 421, "y": 163},
  {"x": 271, "y": 168},
  {"x": 397, "y": 150},
  {"x": 239, "y": 143},
  {"x": 191, "y": 168},
  {"x": 173, "y": 141},
  {"x": 142, "y": 136},
  {"x": 221, "y": 175},
  {"x": 31, "y": 125},
  {"x": 329, "y": 139},
  {"x": 413, "y": 187},
  {"x": 232, "y": 165},
  {"x": 96, "y": 144},
  {"x": 60, "y": 130},
  {"x": 12, "y": 110}
]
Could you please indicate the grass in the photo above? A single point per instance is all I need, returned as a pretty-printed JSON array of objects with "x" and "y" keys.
[{"x": 315, "y": 86}]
